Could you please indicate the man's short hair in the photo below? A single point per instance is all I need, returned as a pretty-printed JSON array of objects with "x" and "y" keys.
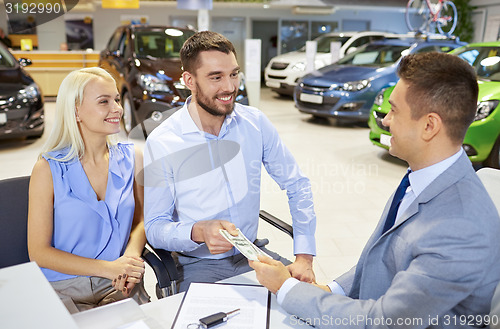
[
  {"x": 203, "y": 41},
  {"x": 443, "y": 84}
]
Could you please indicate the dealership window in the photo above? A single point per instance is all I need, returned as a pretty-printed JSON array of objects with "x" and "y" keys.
[
  {"x": 294, "y": 35},
  {"x": 320, "y": 28}
]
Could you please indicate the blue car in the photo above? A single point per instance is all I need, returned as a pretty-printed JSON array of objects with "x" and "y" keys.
[{"x": 346, "y": 89}]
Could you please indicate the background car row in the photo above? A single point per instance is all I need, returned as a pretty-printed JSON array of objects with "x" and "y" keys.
[
  {"x": 145, "y": 62},
  {"x": 357, "y": 87},
  {"x": 283, "y": 72},
  {"x": 346, "y": 89},
  {"x": 482, "y": 141}
]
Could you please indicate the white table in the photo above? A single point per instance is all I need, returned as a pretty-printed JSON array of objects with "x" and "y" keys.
[{"x": 164, "y": 310}]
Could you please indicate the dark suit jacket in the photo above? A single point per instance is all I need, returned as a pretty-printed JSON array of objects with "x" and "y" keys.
[{"x": 438, "y": 268}]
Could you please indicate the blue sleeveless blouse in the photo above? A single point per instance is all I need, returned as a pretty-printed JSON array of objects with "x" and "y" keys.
[{"x": 83, "y": 225}]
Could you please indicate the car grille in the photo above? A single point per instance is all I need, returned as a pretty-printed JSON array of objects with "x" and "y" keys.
[
  {"x": 279, "y": 66},
  {"x": 379, "y": 116},
  {"x": 16, "y": 114},
  {"x": 328, "y": 103},
  {"x": 315, "y": 89},
  {"x": 6, "y": 101},
  {"x": 276, "y": 77},
  {"x": 10, "y": 125},
  {"x": 13, "y": 108}
]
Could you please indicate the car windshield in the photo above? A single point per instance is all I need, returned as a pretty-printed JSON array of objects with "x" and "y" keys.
[
  {"x": 6, "y": 59},
  {"x": 325, "y": 41},
  {"x": 160, "y": 43},
  {"x": 484, "y": 60},
  {"x": 374, "y": 55}
]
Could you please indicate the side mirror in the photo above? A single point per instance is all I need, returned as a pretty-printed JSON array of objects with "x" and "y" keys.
[{"x": 24, "y": 61}]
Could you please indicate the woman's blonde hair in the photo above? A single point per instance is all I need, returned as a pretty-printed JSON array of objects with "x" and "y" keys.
[{"x": 65, "y": 132}]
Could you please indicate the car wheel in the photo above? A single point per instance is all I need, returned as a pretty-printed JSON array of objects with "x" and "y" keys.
[
  {"x": 128, "y": 113},
  {"x": 493, "y": 159}
]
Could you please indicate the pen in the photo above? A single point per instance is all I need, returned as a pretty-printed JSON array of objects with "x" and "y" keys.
[{"x": 215, "y": 319}]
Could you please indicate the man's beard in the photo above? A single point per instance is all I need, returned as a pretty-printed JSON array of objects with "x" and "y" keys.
[{"x": 210, "y": 106}]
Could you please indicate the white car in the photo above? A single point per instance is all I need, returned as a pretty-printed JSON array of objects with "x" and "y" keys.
[{"x": 283, "y": 71}]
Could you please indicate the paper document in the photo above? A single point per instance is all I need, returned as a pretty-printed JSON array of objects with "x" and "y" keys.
[
  {"x": 203, "y": 299},
  {"x": 240, "y": 242}
]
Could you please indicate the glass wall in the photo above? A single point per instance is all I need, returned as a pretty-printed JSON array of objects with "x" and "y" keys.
[
  {"x": 320, "y": 28},
  {"x": 294, "y": 34}
]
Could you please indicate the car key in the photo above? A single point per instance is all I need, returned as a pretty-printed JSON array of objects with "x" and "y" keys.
[{"x": 215, "y": 319}]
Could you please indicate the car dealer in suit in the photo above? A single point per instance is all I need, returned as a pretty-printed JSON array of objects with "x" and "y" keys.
[{"x": 433, "y": 260}]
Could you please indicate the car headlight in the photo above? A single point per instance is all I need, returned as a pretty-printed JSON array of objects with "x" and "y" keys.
[
  {"x": 31, "y": 92},
  {"x": 318, "y": 64},
  {"x": 355, "y": 85},
  {"x": 379, "y": 99},
  {"x": 485, "y": 108},
  {"x": 300, "y": 66},
  {"x": 152, "y": 83}
]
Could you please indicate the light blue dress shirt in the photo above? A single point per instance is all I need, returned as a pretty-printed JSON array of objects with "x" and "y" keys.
[
  {"x": 83, "y": 225},
  {"x": 191, "y": 175},
  {"x": 419, "y": 180}
]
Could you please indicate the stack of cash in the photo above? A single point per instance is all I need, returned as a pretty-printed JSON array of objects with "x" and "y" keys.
[{"x": 240, "y": 242}]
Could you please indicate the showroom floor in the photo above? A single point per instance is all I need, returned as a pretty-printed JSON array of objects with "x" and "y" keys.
[{"x": 351, "y": 181}]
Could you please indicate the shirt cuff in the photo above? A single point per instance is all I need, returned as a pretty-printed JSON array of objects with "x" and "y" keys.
[
  {"x": 336, "y": 288},
  {"x": 184, "y": 235},
  {"x": 285, "y": 288},
  {"x": 304, "y": 244}
]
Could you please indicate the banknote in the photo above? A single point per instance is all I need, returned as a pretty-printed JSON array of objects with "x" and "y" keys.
[{"x": 240, "y": 242}]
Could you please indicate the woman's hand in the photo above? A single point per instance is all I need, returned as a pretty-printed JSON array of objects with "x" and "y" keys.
[
  {"x": 120, "y": 283},
  {"x": 126, "y": 272},
  {"x": 131, "y": 267}
]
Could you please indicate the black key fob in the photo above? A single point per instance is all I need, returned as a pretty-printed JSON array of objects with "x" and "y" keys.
[{"x": 213, "y": 320}]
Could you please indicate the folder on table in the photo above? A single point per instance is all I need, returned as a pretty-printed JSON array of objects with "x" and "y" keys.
[{"x": 203, "y": 299}]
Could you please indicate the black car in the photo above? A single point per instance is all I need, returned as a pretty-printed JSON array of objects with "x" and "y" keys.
[
  {"x": 144, "y": 60},
  {"x": 21, "y": 101}
]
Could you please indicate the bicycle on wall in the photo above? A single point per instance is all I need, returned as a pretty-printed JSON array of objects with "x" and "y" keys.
[{"x": 424, "y": 16}]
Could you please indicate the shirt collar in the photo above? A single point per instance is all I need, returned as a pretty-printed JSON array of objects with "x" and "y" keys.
[
  {"x": 422, "y": 178},
  {"x": 187, "y": 123},
  {"x": 189, "y": 126}
]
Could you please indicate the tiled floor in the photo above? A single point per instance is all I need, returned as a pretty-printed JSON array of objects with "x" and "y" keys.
[{"x": 351, "y": 180}]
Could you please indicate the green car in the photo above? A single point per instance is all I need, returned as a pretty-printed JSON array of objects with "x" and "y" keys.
[{"x": 482, "y": 141}]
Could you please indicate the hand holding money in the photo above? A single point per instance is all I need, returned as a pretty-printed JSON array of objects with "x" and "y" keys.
[
  {"x": 207, "y": 232},
  {"x": 240, "y": 242}
]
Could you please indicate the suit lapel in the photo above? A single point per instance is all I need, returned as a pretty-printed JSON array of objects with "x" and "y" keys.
[{"x": 449, "y": 177}]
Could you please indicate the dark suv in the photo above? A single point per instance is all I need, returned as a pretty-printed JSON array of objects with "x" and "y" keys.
[
  {"x": 21, "y": 101},
  {"x": 144, "y": 60}
]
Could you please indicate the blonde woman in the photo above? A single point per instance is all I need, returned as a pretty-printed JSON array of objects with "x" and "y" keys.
[{"x": 85, "y": 220}]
